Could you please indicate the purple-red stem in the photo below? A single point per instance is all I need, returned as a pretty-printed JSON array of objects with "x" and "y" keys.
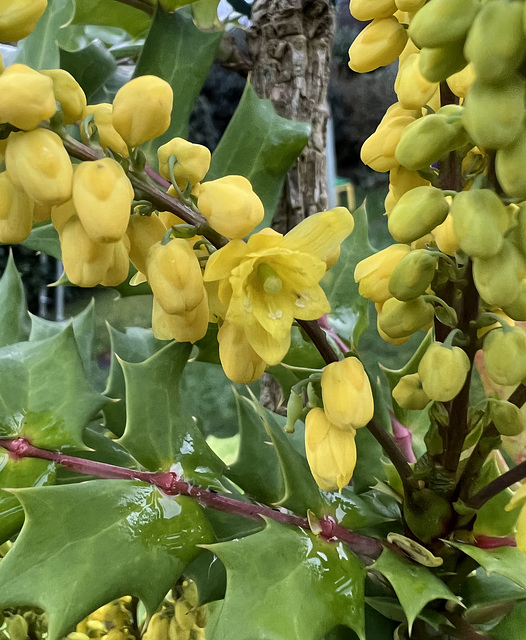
[{"x": 171, "y": 484}]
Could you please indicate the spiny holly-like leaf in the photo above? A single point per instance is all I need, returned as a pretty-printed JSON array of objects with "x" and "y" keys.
[
  {"x": 26, "y": 472},
  {"x": 111, "y": 14},
  {"x": 40, "y": 49},
  {"x": 14, "y": 321},
  {"x": 178, "y": 52},
  {"x": 349, "y": 311},
  {"x": 264, "y": 156},
  {"x": 365, "y": 510},
  {"x": 505, "y": 561},
  {"x": 512, "y": 626},
  {"x": 392, "y": 609},
  {"x": 44, "y": 239},
  {"x": 85, "y": 544},
  {"x": 91, "y": 64},
  {"x": 285, "y": 584},
  {"x": 44, "y": 393},
  {"x": 159, "y": 430},
  {"x": 486, "y": 597},
  {"x": 414, "y": 584},
  {"x": 134, "y": 345},
  {"x": 84, "y": 332}
]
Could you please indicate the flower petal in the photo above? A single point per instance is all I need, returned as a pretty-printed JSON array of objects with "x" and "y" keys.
[
  {"x": 269, "y": 347},
  {"x": 222, "y": 262}
]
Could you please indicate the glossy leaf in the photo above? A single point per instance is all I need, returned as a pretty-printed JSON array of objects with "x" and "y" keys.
[
  {"x": 91, "y": 65},
  {"x": 85, "y": 544},
  {"x": 365, "y": 510},
  {"x": 14, "y": 321},
  {"x": 285, "y": 583},
  {"x": 159, "y": 430},
  {"x": 26, "y": 472},
  {"x": 112, "y": 14},
  {"x": 414, "y": 584},
  {"x": 44, "y": 239},
  {"x": 134, "y": 345},
  {"x": 512, "y": 626},
  {"x": 40, "y": 49},
  {"x": 486, "y": 597},
  {"x": 264, "y": 156},
  {"x": 177, "y": 51},
  {"x": 349, "y": 311},
  {"x": 44, "y": 393},
  {"x": 504, "y": 561}
]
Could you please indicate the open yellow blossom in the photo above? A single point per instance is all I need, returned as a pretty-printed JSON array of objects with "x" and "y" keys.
[{"x": 272, "y": 279}]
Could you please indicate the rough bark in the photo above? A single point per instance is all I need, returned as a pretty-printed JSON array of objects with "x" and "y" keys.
[{"x": 290, "y": 45}]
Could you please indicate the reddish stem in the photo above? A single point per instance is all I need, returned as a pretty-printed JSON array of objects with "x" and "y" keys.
[{"x": 171, "y": 484}]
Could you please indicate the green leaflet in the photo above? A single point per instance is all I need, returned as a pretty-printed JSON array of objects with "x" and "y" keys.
[
  {"x": 178, "y": 52},
  {"x": 487, "y": 597},
  {"x": 40, "y": 49},
  {"x": 413, "y": 584},
  {"x": 264, "y": 156},
  {"x": 14, "y": 321},
  {"x": 44, "y": 239},
  {"x": 512, "y": 626},
  {"x": 44, "y": 393},
  {"x": 111, "y": 14},
  {"x": 504, "y": 561},
  {"x": 159, "y": 430},
  {"x": 286, "y": 584},
  {"x": 349, "y": 315},
  {"x": 85, "y": 544}
]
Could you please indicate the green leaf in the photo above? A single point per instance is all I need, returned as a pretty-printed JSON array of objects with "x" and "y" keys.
[
  {"x": 84, "y": 332},
  {"x": 25, "y": 472},
  {"x": 91, "y": 65},
  {"x": 264, "y": 156},
  {"x": 512, "y": 626},
  {"x": 134, "y": 345},
  {"x": 487, "y": 596},
  {"x": 504, "y": 561},
  {"x": 365, "y": 510},
  {"x": 349, "y": 311},
  {"x": 159, "y": 431},
  {"x": 44, "y": 239},
  {"x": 271, "y": 573},
  {"x": 85, "y": 544},
  {"x": 178, "y": 52},
  {"x": 40, "y": 49},
  {"x": 414, "y": 584},
  {"x": 14, "y": 320},
  {"x": 44, "y": 393},
  {"x": 392, "y": 609},
  {"x": 112, "y": 14}
]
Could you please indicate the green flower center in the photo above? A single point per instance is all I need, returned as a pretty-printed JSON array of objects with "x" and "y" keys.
[{"x": 270, "y": 279}]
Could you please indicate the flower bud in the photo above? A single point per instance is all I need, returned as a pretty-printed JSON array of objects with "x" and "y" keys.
[
  {"x": 379, "y": 44},
  {"x": 120, "y": 263},
  {"x": 401, "y": 319},
  {"x": 443, "y": 371},
  {"x": 505, "y": 355},
  {"x": 417, "y": 212},
  {"x": 16, "y": 212},
  {"x": 442, "y": 22},
  {"x": 331, "y": 452},
  {"x": 460, "y": 82},
  {"x": 26, "y": 97},
  {"x": 103, "y": 120},
  {"x": 412, "y": 89},
  {"x": 369, "y": 9},
  {"x": 517, "y": 309},
  {"x": 102, "y": 195},
  {"x": 373, "y": 273},
  {"x": 479, "y": 222},
  {"x": 19, "y": 17},
  {"x": 409, "y": 393},
  {"x": 378, "y": 151},
  {"x": 143, "y": 232},
  {"x": 37, "y": 162},
  {"x": 402, "y": 180},
  {"x": 69, "y": 93},
  {"x": 346, "y": 392},
  {"x": 188, "y": 327},
  {"x": 382, "y": 334},
  {"x": 61, "y": 214},
  {"x": 439, "y": 63},
  {"x": 193, "y": 161},
  {"x": 142, "y": 109},
  {"x": 509, "y": 167},
  {"x": 240, "y": 362},
  {"x": 230, "y": 206},
  {"x": 507, "y": 417},
  {"x": 499, "y": 277},
  {"x": 413, "y": 275},
  {"x": 86, "y": 262},
  {"x": 175, "y": 276},
  {"x": 445, "y": 237}
]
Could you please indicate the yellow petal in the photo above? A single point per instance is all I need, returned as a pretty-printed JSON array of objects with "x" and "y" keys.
[
  {"x": 240, "y": 362},
  {"x": 322, "y": 233},
  {"x": 222, "y": 262},
  {"x": 272, "y": 348}
]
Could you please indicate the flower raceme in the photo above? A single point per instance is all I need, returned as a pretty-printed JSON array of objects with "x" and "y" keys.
[{"x": 271, "y": 279}]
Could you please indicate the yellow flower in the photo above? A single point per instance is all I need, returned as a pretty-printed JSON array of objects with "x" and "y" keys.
[
  {"x": 193, "y": 161},
  {"x": 26, "y": 97},
  {"x": 187, "y": 327},
  {"x": 69, "y": 93},
  {"x": 272, "y": 279},
  {"x": 19, "y": 17},
  {"x": 346, "y": 392},
  {"x": 103, "y": 120},
  {"x": 374, "y": 272},
  {"x": 16, "y": 212},
  {"x": 331, "y": 452},
  {"x": 240, "y": 362}
]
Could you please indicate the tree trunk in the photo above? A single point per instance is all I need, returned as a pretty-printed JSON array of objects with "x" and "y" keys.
[{"x": 290, "y": 44}]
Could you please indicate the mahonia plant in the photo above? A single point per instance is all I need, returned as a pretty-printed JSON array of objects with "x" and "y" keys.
[{"x": 454, "y": 145}]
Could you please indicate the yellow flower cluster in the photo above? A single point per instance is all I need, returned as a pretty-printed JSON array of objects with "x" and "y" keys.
[
  {"x": 330, "y": 432},
  {"x": 477, "y": 49}
]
